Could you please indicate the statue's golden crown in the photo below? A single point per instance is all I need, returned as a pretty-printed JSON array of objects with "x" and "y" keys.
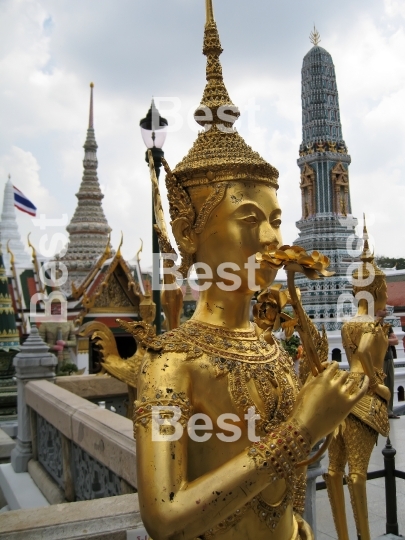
[{"x": 220, "y": 154}]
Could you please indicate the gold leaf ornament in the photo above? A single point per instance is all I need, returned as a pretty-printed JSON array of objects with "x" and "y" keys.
[{"x": 295, "y": 258}]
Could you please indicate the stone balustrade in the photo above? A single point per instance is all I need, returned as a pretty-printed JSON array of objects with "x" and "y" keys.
[
  {"x": 87, "y": 451},
  {"x": 72, "y": 457}
]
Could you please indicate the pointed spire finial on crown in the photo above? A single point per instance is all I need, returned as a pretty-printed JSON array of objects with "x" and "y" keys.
[
  {"x": 210, "y": 11},
  {"x": 368, "y": 266},
  {"x": 215, "y": 97},
  {"x": 365, "y": 233},
  {"x": 315, "y": 37},
  {"x": 366, "y": 255},
  {"x": 91, "y": 123},
  {"x": 219, "y": 153}
]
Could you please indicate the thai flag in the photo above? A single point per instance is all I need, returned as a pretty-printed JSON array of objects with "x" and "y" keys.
[{"x": 23, "y": 204}]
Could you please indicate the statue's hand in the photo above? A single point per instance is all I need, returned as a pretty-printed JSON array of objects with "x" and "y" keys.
[{"x": 326, "y": 400}]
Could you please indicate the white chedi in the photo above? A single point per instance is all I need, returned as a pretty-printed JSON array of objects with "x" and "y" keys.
[{"x": 9, "y": 233}]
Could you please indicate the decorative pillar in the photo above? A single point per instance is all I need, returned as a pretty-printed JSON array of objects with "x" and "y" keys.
[{"x": 32, "y": 363}]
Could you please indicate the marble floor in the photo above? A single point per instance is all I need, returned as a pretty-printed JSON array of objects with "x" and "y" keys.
[{"x": 375, "y": 492}]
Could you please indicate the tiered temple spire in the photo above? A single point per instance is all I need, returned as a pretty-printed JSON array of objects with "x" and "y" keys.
[
  {"x": 88, "y": 229},
  {"x": 9, "y": 234},
  {"x": 327, "y": 223}
]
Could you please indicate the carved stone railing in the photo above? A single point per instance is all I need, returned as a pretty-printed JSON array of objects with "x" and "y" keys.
[
  {"x": 98, "y": 388},
  {"x": 87, "y": 451}
]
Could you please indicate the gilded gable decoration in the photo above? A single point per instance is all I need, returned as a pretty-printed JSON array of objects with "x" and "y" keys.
[{"x": 112, "y": 296}]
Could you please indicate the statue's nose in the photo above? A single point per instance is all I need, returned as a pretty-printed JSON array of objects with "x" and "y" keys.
[{"x": 267, "y": 235}]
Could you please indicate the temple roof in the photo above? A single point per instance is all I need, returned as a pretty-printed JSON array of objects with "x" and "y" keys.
[{"x": 110, "y": 287}]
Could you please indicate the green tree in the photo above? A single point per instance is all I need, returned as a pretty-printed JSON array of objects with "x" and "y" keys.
[{"x": 291, "y": 345}]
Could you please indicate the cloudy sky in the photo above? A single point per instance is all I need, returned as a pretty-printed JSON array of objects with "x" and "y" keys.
[{"x": 132, "y": 49}]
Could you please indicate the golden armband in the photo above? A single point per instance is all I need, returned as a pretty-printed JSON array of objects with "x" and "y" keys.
[
  {"x": 281, "y": 450},
  {"x": 164, "y": 406}
]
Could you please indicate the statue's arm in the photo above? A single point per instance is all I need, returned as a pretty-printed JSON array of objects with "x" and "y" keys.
[{"x": 371, "y": 350}]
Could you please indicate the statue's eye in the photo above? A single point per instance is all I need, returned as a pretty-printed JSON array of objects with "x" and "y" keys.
[
  {"x": 251, "y": 219},
  {"x": 276, "y": 223}
]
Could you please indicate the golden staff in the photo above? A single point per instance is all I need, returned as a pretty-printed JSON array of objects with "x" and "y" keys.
[{"x": 302, "y": 327}]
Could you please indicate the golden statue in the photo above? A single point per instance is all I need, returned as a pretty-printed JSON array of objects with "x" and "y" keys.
[
  {"x": 332, "y": 146},
  {"x": 222, "y": 426},
  {"x": 365, "y": 342}
]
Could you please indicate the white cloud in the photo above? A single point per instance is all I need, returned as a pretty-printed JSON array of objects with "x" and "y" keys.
[
  {"x": 381, "y": 196},
  {"x": 395, "y": 8}
]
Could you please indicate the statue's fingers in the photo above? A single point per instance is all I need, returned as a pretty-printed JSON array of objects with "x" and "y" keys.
[
  {"x": 343, "y": 376},
  {"x": 350, "y": 386},
  {"x": 364, "y": 386},
  {"x": 331, "y": 369}
]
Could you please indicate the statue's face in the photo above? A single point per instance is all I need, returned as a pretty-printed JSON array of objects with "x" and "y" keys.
[{"x": 246, "y": 221}]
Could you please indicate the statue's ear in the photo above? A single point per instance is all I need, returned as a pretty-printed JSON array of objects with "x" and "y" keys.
[{"x": 185, "y": 235}]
